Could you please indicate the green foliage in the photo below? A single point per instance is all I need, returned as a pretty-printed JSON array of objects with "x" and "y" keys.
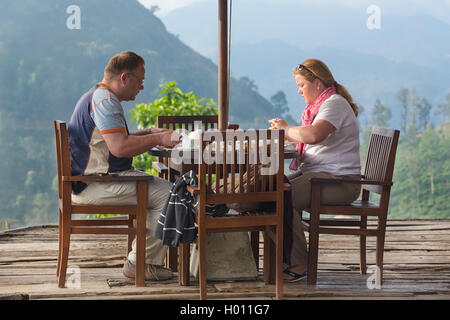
[
  {"x": 415, "y": 112},
  {"x": 172, "y": 102},
  {"x": 444, "y": 108},
  {"x": 422, "y": 177},
  {"x": 34, "y": 88},
  {"x": 422, "y": 166},
  {"x": 381, "y": 114},
  {"x": 40, "y": 57}
]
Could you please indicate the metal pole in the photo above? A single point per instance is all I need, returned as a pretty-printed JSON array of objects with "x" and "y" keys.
[{"x": 222, "y": 67}]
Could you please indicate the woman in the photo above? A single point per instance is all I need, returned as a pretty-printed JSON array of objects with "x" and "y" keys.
[{"x": 328, "y": 146}]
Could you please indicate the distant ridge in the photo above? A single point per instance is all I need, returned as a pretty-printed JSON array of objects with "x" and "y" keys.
[{"x": 45, "y": 67}]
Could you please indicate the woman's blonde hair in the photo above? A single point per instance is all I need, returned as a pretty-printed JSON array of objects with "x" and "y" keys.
[{"x": 315, "y": 69}]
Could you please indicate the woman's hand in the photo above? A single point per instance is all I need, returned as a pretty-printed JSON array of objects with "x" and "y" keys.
[{"x": 278, "y": 123}]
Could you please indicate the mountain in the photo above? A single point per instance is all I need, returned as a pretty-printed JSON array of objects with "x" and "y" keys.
[
  {"x": 45, "y": 67},
  {"x": 368, "y": 77},
  {"x": 269, "y": 40},
  {"x": 417, "y": 38}
]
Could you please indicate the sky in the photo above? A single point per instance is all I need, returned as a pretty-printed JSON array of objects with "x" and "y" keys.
[
  {"x": 400, "y": 37},
  {"x": 167, "y": 5},
  {"x": 437, "y": 8}
]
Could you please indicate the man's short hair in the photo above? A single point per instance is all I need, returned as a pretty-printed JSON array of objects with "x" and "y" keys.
[{"x": 122, "y": 62}]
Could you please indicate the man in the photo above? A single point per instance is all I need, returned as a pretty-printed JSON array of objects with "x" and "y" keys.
[{"x": 100, "y": 143}]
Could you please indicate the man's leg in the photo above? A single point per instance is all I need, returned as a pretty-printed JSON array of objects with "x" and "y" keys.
[
  {"x": 125, "y": 194},
  {"x": 155, "y": 251}
]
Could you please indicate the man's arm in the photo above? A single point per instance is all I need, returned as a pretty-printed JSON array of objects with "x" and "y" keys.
[
  {"x": 123, "y": 145},
  {"x": 145, "y": 131}
]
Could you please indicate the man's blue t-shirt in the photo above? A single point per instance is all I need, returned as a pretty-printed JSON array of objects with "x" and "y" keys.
[{"x": 97, "y": 112}]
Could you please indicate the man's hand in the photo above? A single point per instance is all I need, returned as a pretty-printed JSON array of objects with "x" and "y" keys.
[{"x": 169, "y": 138}]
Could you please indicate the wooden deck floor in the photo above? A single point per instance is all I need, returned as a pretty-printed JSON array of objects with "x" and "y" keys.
[{"x": 417, "y": 266}]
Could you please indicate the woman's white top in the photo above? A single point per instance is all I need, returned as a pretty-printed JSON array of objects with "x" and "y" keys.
[{"x": 338, "y": 154}]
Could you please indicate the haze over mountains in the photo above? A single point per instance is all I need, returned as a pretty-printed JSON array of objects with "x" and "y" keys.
[
  {"x": 269, "y": 39},
  {"x": 45, "y": 67}
]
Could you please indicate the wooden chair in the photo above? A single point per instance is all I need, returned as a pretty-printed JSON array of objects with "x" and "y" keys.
[
  {"x": 377, "y": 178},
  {"x": 163, "y": 168},
  {"x": 68, "y": 226},
  {"x": 168, "y": 173},
  {"x": 239, "y": 188}
]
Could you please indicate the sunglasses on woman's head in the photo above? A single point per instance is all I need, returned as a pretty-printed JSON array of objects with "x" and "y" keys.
[{"x": 302, "y": 67}]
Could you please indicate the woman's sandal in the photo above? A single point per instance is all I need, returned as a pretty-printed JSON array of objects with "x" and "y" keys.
[{"x": 295, "y": 276}]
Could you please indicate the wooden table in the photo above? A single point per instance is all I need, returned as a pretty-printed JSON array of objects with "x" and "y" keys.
[{"x": 289, "y": 153}]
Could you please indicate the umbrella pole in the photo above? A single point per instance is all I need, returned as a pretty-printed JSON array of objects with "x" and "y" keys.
[{"x": 222, "y": 90}]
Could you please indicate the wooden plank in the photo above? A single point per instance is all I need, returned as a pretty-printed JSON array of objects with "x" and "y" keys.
[{"x": 416, "y": 267}]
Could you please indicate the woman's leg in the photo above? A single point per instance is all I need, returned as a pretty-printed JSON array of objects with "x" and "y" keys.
[{"x": 301, "y": 193}]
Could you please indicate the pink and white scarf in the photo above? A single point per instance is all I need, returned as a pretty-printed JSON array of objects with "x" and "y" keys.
[{"x": 308, "y": 116}]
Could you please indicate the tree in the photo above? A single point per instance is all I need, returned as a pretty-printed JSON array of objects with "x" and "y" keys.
[
  {"x": 381, "y": 114},
  {"x": 424, "y": 109},
  {"x": 279, "y": 102},
  {"x": 422, "y": 177},
  {"x": 154, "y": 8},
  {"x": 444, "y": 109},
  {"x": 362, "y": 118},
  {"x": 249, "y": 83},
  {"x": 420, "y": 112},
  {"x": 172, "y": 102},
  {"x": 403, "y": 97}
]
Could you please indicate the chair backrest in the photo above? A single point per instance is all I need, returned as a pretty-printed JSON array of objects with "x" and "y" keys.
[
  {"x": 187, "y": 122},
  {"x": 62, "y": 155},
  {"x": 381, "y": 157},
  {"x": 229, "y": 154}
]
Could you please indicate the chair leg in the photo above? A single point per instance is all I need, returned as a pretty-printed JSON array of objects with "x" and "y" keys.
[
  {"x": 362, "y": 247},
  {"x": 140, "y": 249},
  {"x": 313, "y": 251},
  {"x": 60, "y": 243},
  {"x": 279, "y": 263},
  {"x": 313, "y": 257},
  {"x": 131, "y": 235},
  {"x": 172, "y": 259},
  {"x": 380, "y": 246},
  {"x": 202, "y": 262},
  {"x": 183, "y": 270},
  {"x": 141, "y": 232},
  {"x": 64, "y": 257},
  {"x": 254, "y": 240},
  {"x": 267, "y": 263}
]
